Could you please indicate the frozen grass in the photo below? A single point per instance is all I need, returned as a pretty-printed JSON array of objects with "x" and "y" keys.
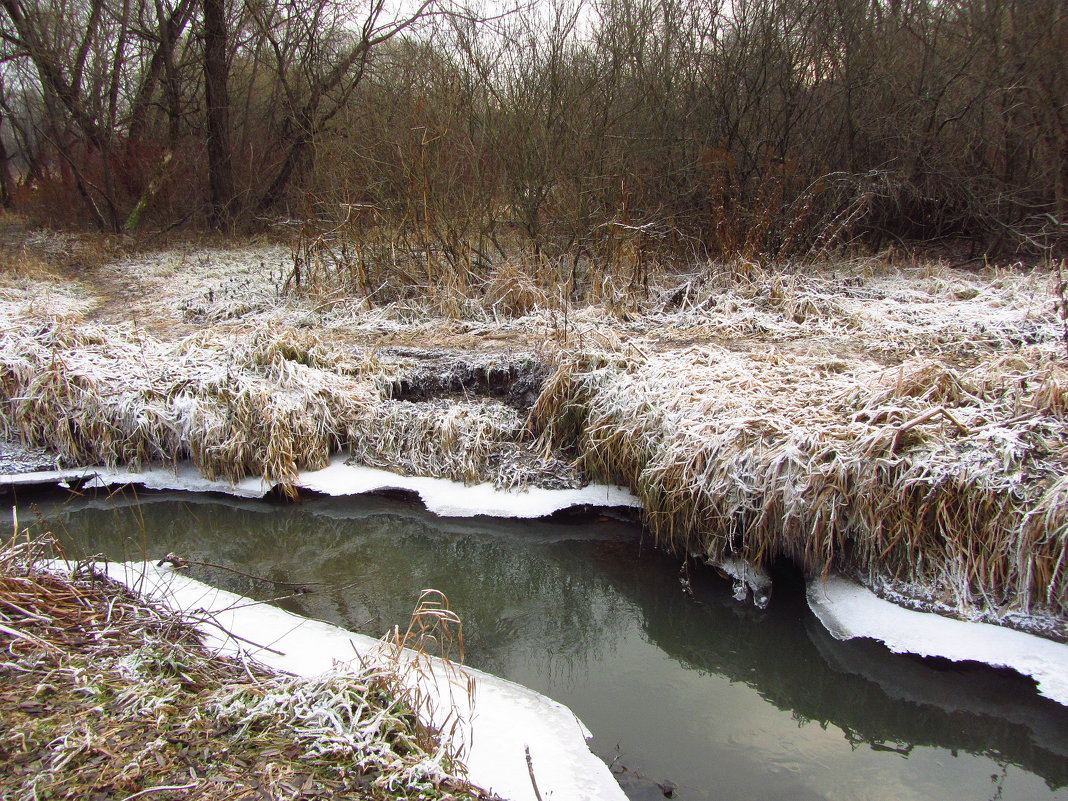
[
  {"x": 105, "y": 694},
  {"x": 903, "y": 423},
  {"x": 235, "y": 406},
  {"x": 256, "y": 400},
  {"x": 950, "y": 478}
]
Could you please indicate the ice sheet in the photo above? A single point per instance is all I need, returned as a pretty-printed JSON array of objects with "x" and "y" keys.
[
  {"x": 849, "y": 610},
  {"x": 452, "y": 499},
  {"x": 182, "y": 477},
  {"x": 442, "y": 497}
]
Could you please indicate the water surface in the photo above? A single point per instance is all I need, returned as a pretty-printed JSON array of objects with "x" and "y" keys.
[{"x": 721, "y": 700}]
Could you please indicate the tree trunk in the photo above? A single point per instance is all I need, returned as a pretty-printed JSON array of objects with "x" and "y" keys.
[
  {"x": 133, "y": 221},
  {"x": 6, "y": 198},
  {"x": 296, "y": 161},
  {"x": 216, "y": 73},
  {"x": 160, "y": 66}
]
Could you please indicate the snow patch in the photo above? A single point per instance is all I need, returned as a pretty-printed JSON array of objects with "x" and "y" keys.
[
  {"x": 452, "y": 499},
  {"x": 182, "y": 477},
  {"x": 500, "y": 719},
  {"x": 849, "y": 610},
  {"x": 35, "y": 477},
  {"x": 441, "y": 496}
]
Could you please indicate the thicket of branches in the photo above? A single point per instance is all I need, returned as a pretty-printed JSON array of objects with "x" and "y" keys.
[{"x": 605, "y": 131}]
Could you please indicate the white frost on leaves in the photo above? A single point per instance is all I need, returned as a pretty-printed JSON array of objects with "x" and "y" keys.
[
  {"x": 207, "y": 285},
  {"x": 29, "y": 298},
  {"x": 849, "y": 610},
  {"x": 493, "y": 725}
]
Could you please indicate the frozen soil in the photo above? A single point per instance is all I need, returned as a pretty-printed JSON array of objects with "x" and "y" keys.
[{"x": 902, "y": 422}]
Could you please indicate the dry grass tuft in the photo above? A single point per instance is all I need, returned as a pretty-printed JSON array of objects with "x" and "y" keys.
[
  {"x": 234, "y": 406},
  {"x": 512, "y": 291},
  {"x": 259, "y": 400},
  {"x": 22, "y": 264}
]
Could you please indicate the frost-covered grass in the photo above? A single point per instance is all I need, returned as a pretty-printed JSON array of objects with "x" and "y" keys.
[
  {"x": 948, "y": 477},
  {"x": 262, "y": 400},
  {"x": 107, "y": 695},
  {"x": 904, "y": 423}
]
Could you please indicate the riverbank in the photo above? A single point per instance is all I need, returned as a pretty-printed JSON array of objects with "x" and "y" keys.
[
  {"x": 844, "y": 607},
  {"x": 109, "y": 695},
  {"x": 901, "y": 424}
]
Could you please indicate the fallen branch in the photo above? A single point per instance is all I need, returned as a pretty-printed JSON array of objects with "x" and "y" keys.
[{"x": 209, "y": 619}]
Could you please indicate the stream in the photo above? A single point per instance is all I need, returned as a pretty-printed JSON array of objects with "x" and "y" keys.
[{"x": 692, "y": 693}]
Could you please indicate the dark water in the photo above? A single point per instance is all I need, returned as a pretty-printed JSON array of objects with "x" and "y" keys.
[{"x": 726, "y": 702}]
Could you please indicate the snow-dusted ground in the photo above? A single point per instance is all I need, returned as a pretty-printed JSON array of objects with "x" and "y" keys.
[
  {"x": 868, "y": 317},
  {"x": 849, "y": 610},
  {"x": 499, "y": 721}
]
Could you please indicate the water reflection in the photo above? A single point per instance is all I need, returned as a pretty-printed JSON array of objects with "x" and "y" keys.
[
  {"x": 891, "y": 702},
  {"x": 689, "y": 686},
  {"x": 371, "y": 559}
]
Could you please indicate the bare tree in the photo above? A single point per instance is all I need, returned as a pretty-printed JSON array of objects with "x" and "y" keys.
[{"x": 317, "y": 54}]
